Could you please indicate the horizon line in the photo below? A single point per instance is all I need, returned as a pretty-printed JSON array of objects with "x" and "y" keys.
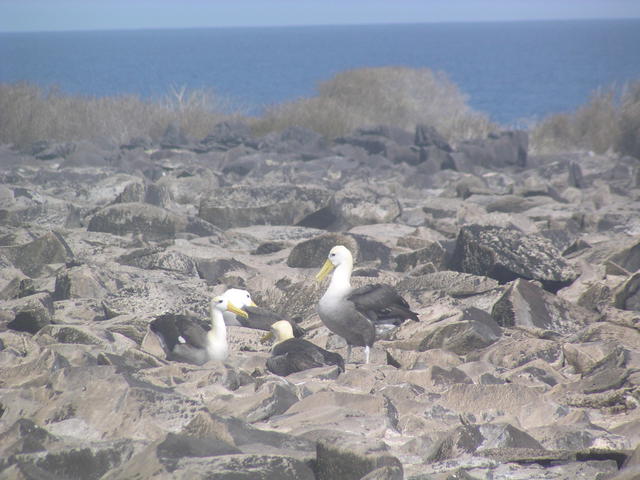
[{"x": 364, "y": 24}]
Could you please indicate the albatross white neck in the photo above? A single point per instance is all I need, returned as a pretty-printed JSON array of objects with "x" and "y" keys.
[
  {"x": 341, "y": 278},
  {"x": 218, "y": 327}
]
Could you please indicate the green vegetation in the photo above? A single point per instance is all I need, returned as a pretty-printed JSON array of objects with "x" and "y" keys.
[
  {"x": 403, "y": 97},
  {"x": 608, "y": 122}
]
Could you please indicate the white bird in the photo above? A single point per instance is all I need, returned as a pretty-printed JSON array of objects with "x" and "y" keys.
[
  {"x": 257, "y": 317},
  {"x": 358, "y": 314},
  {"x": 290, "y": 354},
  {"x": 184, "y": 340}
]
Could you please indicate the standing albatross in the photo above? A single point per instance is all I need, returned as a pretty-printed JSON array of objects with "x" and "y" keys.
[
  {"x": 257, "y": 317},
  {"x": 184, "y": 340},
  {"x": 357, "y": 314},
  {"x": 290, "y": 355}
]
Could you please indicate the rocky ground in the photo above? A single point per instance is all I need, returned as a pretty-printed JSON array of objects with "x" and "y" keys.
[{"x": 524, "y": 270}]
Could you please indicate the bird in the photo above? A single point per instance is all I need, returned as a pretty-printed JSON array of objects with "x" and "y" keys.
[
  {"x": 358, "y": 315},
  {"x": 257, "y": 317},
  {"x": 184, "y": 340},
  {"x": 290, "y": 355}
]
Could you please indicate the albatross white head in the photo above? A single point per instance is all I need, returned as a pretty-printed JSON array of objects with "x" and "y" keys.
[
  {"x": 217, "y": 347},
  {"x": 240, "y": 298},
  {"x": 341, "y": 259}
]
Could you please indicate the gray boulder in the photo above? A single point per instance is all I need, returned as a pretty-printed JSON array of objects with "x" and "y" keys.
[
  {"x": 524, "y": 304},
  {"x": 474, "y": 438},
  {"x": 499, "y": 150},
  {"x": 471, "y": 330},
  {"x": 352, "y": 458},
  {"x": 428, "y": 136},
  {"x": 627, "y": 296},
  {"x": 506, "y": 254},
  {"x": 33, "y": 257},
  {"x": 242, "y": 205},
  {"x": 434, "y": 254},
  {"x": 153, "y": 223},
  {"x": 30, "y": 313},
  {"x": 354, "y": 205},
  {"x": 313, "y": 252},
  {"x": 225, "y": 136}
]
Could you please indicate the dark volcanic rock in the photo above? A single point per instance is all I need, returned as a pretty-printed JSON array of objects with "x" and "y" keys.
[
  {"x": 173, "y": 137},
  {"x": 344, "y": 457},
  {"x": 213, "y": 270},
  {"x": 31, "y": 313},
  {"x": 471, "y": 438},
  {"x": 153, "y": 223},
  {"x": 313, "y": 252},
  {"x": 373, "y": 144},
  {"x": 226, "y": 135},
  {"x": 504, "y": 149},
  {"x": 472, "y": 330},
  {"x": 506, "y": 254},
  {"x": 427, "y": 136},
  {"x": 455, "y": 284},
  {"x": 628, "y": 295},
  {"x": 526, "y": 305},
  {"x": 36, "y": 454},
  {"x": 434, "y": 253},
  {"x": 500, "y": 378},
  {"x": 25, "y": 436},
  {"x": 32, "y": 257},
  {"x": 242, "y": 205},
  {"x": 154, "y": 258},
  {"x": 82, "y": 281},
  {"x": 354, "y": 206}
]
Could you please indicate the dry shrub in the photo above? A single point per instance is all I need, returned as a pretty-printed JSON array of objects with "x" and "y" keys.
[
  {"x": 29, "y": 113},
  {"x": 399, "y": 96},
  {"x": 607, "y": 122},
  {"x": 628, "y": 141}
]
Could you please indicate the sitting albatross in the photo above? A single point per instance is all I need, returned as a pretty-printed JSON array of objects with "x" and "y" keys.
[
  {"x": 357, "y": 314},
  {"x": 290, "y": 355},
  {"x": 257, "y": 317},
  {"x": 184, "y": 340}
]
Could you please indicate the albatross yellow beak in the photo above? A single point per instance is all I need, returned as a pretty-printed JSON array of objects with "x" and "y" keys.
[
  {"x": 324, "y": 271},
  {"x": 233, "y": 309}
]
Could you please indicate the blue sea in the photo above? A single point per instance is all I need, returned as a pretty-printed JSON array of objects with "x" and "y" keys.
[{"x": 513, "y": 71}]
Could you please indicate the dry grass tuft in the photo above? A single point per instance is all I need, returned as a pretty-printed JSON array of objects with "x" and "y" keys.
[{"x": 29, "y": 113}]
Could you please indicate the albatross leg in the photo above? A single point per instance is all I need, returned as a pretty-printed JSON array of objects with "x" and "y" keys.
[{"x": 366, "y": 354}]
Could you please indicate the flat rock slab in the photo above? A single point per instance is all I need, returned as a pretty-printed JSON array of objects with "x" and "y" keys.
[
  {"x": 506, "y": 254},
  {"x": 525, "y": 304},
  {"x": 351, "y": 458},
  {"x": 243, "y": 206},
  {"x": 154, "y": 223}
]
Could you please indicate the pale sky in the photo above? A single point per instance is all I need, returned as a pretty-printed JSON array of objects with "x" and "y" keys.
[{"x": 47, "y": 15}]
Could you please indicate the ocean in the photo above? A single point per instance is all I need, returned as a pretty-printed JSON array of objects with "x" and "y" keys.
[{"x": 515, "y": 72}]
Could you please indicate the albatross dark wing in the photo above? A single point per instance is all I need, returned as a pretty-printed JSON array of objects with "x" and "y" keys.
[
  {"x": 171, "y": 327},
  {"x": 381, "y": 304},
  {"x": 295, "y": 354}
]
